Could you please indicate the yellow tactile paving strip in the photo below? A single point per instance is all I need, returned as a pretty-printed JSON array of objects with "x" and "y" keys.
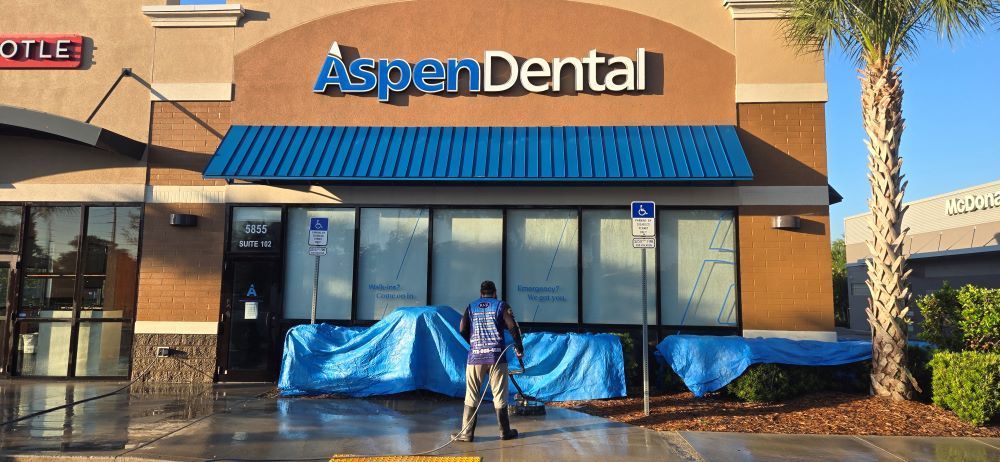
[{"x": 348, "y": 458}]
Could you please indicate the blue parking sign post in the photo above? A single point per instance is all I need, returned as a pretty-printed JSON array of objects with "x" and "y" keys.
[
  {"x": 644, "y": 237},
  {"x": 319, "y": 227}
]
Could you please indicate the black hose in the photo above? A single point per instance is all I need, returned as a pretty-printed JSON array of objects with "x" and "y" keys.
[
  {"x": 482, "y": 396},
  {"x": 74, "y": 403}
]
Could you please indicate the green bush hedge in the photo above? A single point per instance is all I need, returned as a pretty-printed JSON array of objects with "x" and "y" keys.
[
  {"x": 941, "y": 311},
  {"x": 964, "y": 319},
  {"x": 968, "y": 383},
  {"x": 980, "y": 320},
  {"x": 762, "y": 383},
  {"x": 773, "y": 382}
]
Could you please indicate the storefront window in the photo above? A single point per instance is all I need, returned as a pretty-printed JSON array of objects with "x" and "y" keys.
[
  {"x": 612, "y": 271},
  {"x": 55, "y": 256},
  {"x": 336, "y": 268},
  {"x": 698, "y": 268},
  {"x": 392, "y": 261},
  {"x": 542, "y": 250},
  {"x": 50, "y": 261},
  {"x": 467, "y": 251},
  {"x": 103, "y": 349},
  {"x": 256, "y": 230},
  {"x": 10, "y": 228},
  {"x": 43, "y": 348},
  {"x": 110, "y": 267}
]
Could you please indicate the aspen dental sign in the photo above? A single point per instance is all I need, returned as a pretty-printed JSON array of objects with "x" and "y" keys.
[{"x": 429, "y": 75}]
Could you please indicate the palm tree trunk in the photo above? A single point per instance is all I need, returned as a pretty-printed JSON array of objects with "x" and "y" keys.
[{"x": 881, "y": 102}]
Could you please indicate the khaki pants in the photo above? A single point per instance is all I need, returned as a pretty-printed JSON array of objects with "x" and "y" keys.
[{"x": 475, "y": 374}]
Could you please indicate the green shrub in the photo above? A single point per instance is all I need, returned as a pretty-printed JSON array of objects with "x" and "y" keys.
[
  {"x": 807, "y": 379},
  {"x": 762, "y": 383},
  {"x": 968, "y": 383},
  {"x": 845, "y": 378},
  {"x": 941, "y": 311},
  {"x": 980, "y": 320}
]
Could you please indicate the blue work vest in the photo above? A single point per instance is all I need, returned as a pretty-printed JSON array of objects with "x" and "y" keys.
[{"x": 486, "y": 340}]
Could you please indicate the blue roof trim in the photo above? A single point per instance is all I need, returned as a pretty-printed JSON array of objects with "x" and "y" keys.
[{"x": 495, "y": 154}]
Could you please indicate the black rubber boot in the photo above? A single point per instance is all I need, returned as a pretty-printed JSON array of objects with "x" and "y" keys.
[
  {"x": 503, "y": 418},
  {"x": 468, "y": 419}
]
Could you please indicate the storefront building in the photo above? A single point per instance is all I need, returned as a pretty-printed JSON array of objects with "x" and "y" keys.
[
  {"x": 953, "y": 238},
  {"x": 445, "y": 142}
]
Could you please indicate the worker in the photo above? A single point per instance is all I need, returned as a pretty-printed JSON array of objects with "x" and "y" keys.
[{"x": 482, "y": 326}]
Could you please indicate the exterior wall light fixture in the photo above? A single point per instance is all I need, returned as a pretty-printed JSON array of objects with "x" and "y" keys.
[
  {"x": 184, "y": 220},
  {"x": 786, "y": 222}
]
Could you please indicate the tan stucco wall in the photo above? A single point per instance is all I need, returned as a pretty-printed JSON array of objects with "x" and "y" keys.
[
  {"x": 27, "y": 160},
  {"x": 194, "y": 55},
  {"x": 706, "y": 18},
  {"x": 690, "y": 80},
  {"x": 762, "y": 57},
  {"x": 117, "y": 35}
]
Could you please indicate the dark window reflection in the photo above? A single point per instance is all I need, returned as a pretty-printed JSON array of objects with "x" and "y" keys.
[
  {"x": 10, "y": 227},
  {"x": 5, "y": 286},
  {"x": 256, "y": 229},
  {"x": 52, "y": 244},
  {"x": 110, "y": 264}
]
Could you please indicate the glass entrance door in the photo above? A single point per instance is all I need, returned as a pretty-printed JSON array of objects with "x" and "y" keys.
[
  {"x": 7, "y": 283},
  {"x": 252, "y": 310}
]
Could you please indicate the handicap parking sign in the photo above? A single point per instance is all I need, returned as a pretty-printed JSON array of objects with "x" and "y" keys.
[
  {"x": 643, "y": 210},
  {"x": 319, "y": 224},
  {"x": 643, "y": 220},
  {"x": 317, "y": 232}
]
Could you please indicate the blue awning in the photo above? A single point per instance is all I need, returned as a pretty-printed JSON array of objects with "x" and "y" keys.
[{"x": 476, "y": 154}]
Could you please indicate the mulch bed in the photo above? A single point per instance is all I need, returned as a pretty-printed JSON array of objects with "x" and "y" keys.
[{"x": 817, "y": 413}]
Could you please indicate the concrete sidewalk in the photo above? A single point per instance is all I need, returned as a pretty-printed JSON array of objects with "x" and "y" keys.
[{"x": 232, "y": 422}]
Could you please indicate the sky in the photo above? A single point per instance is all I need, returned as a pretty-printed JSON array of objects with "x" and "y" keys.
[{"x": 952, "y": 110}]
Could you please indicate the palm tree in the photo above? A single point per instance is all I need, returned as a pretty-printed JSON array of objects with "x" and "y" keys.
[{"x": 878, "y": 34}]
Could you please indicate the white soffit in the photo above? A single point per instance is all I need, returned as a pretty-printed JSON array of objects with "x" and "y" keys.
[
  {"x": 756, "y": 9},
  {"x": 191, "y": 92},
  {"x": 781, "y": 93},
  {"x": 227, "y": 15}
]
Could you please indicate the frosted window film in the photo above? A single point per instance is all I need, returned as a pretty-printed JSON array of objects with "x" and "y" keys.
[
  {"x": 542, "y": 249},
  {"x": 698, "y": 268},
  {"x": 612, "y": 290},
  {"x": 392, "y": 270},
  {"x": 467, "y": 251},
  {"x": 336, "y": 268}
]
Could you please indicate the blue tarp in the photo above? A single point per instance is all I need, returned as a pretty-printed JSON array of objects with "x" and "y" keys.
[
  {"x": 420, "y": 348},
  {"x": 708, "y": 363}
]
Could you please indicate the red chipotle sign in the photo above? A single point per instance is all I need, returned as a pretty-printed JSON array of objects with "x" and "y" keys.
[{"x": 40, "y": 51}]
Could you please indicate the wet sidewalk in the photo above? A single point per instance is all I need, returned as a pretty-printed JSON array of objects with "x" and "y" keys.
[{"x": 236, "y": 422}]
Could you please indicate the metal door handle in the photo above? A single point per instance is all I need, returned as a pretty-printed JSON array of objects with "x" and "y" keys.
[
  {"x": 268, "y": 320},
  {"x": 224, "y": 316}
]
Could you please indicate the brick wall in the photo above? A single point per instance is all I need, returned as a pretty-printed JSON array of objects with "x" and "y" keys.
[
  {"x": 785, "y": 143},
  {"x": 180, "y": 277},
  {"x": 183, "y": 138},
  {"x": 785, "y": 275}
]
